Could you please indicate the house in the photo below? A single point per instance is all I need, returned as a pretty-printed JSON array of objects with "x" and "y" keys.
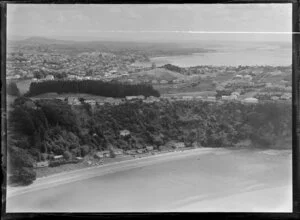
[
  {"x": 268, "y": 85},
  {"x": 58, "y": 157},
  {"x": 131, "y": 152},
  {"x": 225, "y": 97},
  {"x": 124, "y": 133},
  {"x": 49, "y": 77},
  {"x": 211, "y": 98},
  {"x": 238, "y": 77},
  {"x": 234, "y": 97},
  {"x": 102, "y": 154},
  {"x": 199, "y": 97},
  {"x": 248, "y": 77},
  {"x": 163, "y": 81},
  {"x": 177, "y": 145},
  {"x": 42, "y": 164},
  {"x": 235, "y": 93},
  {"x": 140, "y": 151},
  {"x": 79, "y": 158},
  {"x": 60, "y": 98},
  {"x": 250, "y": 100},
  {"x": 187, "y": 97},
  {"x": 117, "y": 152},
  {"x": 73, "y": 101},
  {"x": 130, "y": 98},
  {"x": 154, "y": 81},
  {"x": 274, "y": 98},
  {"x": 149, "y": 148},
  {"x": 148, "y": 101},
  {"x": 286, "y": 96},
  {"x": 91, "y": 102}
]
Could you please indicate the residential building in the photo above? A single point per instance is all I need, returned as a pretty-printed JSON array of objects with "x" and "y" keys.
[
  {"x": 58, "y": 157},
  {"x": 149, "y": 148},
  {"x": 187, "y": 97},
  {"x": 124, "y": 133},
  {"x": 42, "y": 164},
  {"x": 90, "y": 101},
  {"x": 102, "y": 154},
  {"x": 49, "y": 77},
  {"x": 140, "y": 151},
  {"x": 177, "y": 145},
  {"x": 211, "y": 98},
  {"x": 250, "y": 100}
]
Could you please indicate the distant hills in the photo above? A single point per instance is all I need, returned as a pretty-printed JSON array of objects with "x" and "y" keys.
[
  {"x": 147, "y": 48},
  {"x": 44, "y": 40}
]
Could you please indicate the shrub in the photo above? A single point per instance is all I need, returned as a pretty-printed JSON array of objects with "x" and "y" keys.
[
  {"x": 12, "y": 89},
  {"x": 23, "y": 176},
  {"x": 67, "y": 155}
]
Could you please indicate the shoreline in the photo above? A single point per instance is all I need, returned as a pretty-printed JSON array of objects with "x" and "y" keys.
[
  {"x": 113, "y": 167},
  {"x": 75, "y": 175},
  {"x": 116, "y": 160}
]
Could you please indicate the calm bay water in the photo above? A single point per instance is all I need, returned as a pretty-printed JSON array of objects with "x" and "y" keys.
[{"x": 226, "y": 56}]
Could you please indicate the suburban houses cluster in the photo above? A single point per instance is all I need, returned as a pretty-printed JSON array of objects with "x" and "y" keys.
[{"x": 28, "y": 64}]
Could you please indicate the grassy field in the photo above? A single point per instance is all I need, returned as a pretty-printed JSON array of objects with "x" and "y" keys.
[{"x": 23, "y": 86}]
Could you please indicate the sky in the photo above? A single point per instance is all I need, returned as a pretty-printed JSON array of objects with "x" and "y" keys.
[{"x": 160, "y": 22}]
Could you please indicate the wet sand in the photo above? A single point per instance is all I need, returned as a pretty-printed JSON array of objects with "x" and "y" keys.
[{"x": 196, "y": 180}]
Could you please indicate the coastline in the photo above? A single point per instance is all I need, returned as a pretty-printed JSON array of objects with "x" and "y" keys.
[
  {"x": 175, "y": 181},
  {"x": 111, "y": 167}
]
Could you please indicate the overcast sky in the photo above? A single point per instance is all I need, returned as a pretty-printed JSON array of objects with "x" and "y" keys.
[{"x": 151, "y": 22}]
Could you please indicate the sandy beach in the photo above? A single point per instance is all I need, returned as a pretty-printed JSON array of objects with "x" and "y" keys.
[{"x": 194, "y": 180}]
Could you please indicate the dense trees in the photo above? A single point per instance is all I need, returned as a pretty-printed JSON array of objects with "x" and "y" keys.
[
  {"x": 20, "y": 166},
  {"x": 12, "y": 89},
  {"x": 108, "y": 89},
  {"x": 54, "y": 128},
  {"x": 174, "y": 68}
]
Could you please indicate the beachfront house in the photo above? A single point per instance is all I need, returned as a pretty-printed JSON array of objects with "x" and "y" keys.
[
  {"x": 140, "y": 151},
  {"x": 124, "y": 133},
  {"x": 149, "y": 148},
  {"x": 42, "y": 164},
  {"x": 178, "y": 145},
  {"x": 79, "y": 158},
  {"x": 58, "y": 157},
  {"x": 102, "y": 154},
  {"x": 117, "y": 152},
  {"x": 130, "y": 152}
]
